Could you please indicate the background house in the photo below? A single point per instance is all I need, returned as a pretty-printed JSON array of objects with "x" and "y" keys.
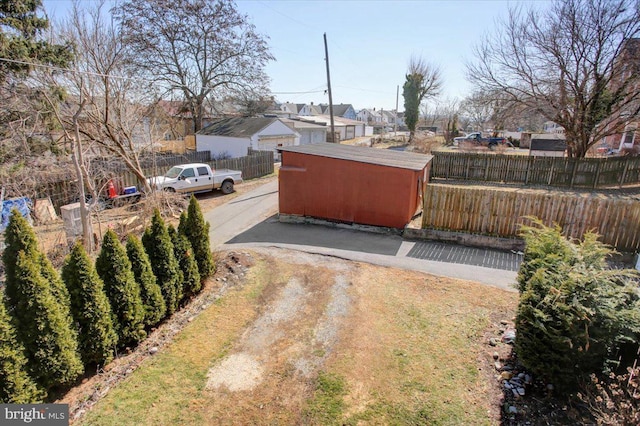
[
  {"x": 627, "y": 123},
  {"x": 342, "y": 110},
  {"x": 369, "y": 116},
  {"x": 309, "y": 132},
  {"x": 345, "y": 128},
  {"x": 232, "y": 137}
]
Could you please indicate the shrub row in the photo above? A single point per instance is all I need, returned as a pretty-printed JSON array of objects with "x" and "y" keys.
[{"x": 53, "y": 325}]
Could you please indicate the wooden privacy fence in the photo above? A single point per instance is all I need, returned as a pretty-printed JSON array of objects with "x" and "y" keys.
[
  {"x": 529, "y": 170},
  {"x": 151, "y": 160},
  {"x": 65, "y": 191},
  {"x": 259, "y": 163},
  {"x": 500, "y": 212}
]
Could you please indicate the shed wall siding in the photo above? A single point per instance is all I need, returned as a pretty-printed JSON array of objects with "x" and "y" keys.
[{"x": 348, "y": 191}]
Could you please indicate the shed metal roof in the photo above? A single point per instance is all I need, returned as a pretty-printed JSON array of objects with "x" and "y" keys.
[{"x": 382, "y": 157}]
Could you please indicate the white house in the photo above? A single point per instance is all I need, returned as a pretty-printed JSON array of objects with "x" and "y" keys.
[
  {"x": 370, "y": 116},
  {"x": 309, "y": 132},
  {"x": 232, "y": 137},
  {"x": 348, "y": 129}
]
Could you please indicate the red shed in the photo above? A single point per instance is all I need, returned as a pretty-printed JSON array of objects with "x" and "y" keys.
[{"x": 352, "y": 184}]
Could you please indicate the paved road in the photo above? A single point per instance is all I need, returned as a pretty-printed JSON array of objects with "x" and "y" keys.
[
  {"x": 251, "y": 221},
  {"x": 242, "y": 213}
]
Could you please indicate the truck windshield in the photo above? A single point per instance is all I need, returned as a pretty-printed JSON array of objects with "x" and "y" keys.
[{"x": 173, "y": 172}]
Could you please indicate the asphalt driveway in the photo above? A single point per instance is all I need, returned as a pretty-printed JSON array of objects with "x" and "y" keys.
[{"x": 251, "y": 221}]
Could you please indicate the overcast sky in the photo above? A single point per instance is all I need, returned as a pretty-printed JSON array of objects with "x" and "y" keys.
[{"x": 370, "y": 44}]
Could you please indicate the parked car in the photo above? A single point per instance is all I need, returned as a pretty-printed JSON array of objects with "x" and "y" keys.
[
  {"x": 476, "y": 138},
  {"x": 195, "y": 178}
]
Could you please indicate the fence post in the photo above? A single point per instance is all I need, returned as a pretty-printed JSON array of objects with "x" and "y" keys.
[
  {"x": 597, "y": 178},
  {"x": 624, "y": 174},
  {"x": 573, "y": 172},
  {"x": 526, "y": 176},
  {"x": 486, "y": 168}
]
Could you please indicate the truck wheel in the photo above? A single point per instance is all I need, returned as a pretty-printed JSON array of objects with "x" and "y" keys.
[
  {"x": 169, "y": 189},
  {"x": 227, "y": 187}
]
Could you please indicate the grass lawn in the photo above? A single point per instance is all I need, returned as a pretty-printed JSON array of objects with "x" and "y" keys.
[{"x": 323, "y": 341}]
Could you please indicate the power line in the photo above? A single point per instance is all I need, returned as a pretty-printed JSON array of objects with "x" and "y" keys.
[
  {"x": 97, "y": 74},
  {"x": 55, "y": 68},
  {"x": 298, "y": 93}
]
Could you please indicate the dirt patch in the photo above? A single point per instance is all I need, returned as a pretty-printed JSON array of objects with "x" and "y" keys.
[{"x": 237, "y": 372}]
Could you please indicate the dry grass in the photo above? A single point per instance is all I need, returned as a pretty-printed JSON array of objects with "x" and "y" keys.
[
  {"x": 425, "y": 144},
  {"x": 407, "y": 351}
]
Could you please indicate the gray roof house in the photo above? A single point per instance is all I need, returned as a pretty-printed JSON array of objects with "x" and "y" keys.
[
  {"x": 232, "y": 137},
  {"x": 342, "y": 110}
]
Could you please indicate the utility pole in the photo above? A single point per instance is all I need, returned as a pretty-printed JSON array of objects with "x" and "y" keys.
[
  {"x": 395, "y": 123},
  {"x": 326, "y": 53}
]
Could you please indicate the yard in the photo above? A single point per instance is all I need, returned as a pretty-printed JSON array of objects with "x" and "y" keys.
[{"x": 294, "y": 338}]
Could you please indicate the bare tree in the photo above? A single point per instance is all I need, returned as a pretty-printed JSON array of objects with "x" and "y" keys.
[
  {"x": 478, "y": 108},
  {"x": 201, "y": 49},
  {"x": 423, "y": 81},
  {"x": 564, "y": 63},
  {"x": 114, "y": 99}
]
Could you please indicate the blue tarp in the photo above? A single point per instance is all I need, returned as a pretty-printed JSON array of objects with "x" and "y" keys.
[{"x": 22, "y": 204}]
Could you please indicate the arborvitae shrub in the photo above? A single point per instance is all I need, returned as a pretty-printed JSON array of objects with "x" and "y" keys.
[
  {"x": 90, "y": 308},
  {"x": 574, "y": 316},
  {"x": 20, "y": 236},
  {"x": 17, "y": 387},
  {"x": 154, "y": 304},
  {"x": 58, "y": 288},
  {"x": 165, "y": 267},
  {"x": 196, "y": 229},
  {"x": 50, "y": 343},
  {"x": 121, "y": 288},
  {"x": 184, "y": 254}
]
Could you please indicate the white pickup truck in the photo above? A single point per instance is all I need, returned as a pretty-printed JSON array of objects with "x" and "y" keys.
[{"x": 195, "y": 178}]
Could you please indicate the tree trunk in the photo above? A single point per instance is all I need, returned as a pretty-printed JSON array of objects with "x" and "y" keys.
[{"x": 85, "y": 216}]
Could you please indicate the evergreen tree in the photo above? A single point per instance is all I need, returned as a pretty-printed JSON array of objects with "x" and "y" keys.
[
  {"x": 411, "y": 102},
  {"x": 154, "y": 304},
  {"x": 120, "y": 285},
  {"x": 19, "y": 236},
  {"x": 20, "y": 41},
  {"x": 191, "y": 284},
  {"x": 196, "y": 229},
  {"x": 165, "y": 267},
  {"x": 58, "y": 289},
  {"x": 90, "y": 308},
  {"x": 16, "y": 386},
  {"x": 50, "y": 343},
  {"x": 575, "y": 316}
]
